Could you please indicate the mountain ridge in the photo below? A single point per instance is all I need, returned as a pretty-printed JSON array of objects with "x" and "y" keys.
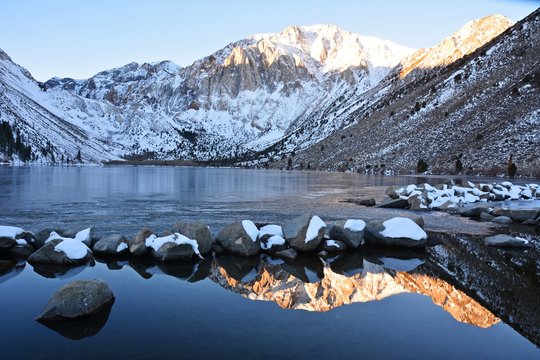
[{"x": 256, "y": 100}]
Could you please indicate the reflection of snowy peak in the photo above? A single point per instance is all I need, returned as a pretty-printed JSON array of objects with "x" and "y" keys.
[{"x": 334, "y": 290}]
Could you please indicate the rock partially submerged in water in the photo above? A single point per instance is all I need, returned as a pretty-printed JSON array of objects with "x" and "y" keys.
[
  {"x": 77, "y": 299},
  {"x": 398, "y": 231},
  {"x": 8, "y": 234},
  {"x": 137, "y": 245},
  {"x": 197, "y": 231},
  {"x": 350, "y": 232},
  {"x": 62, "y": 252},
  {"x": 304, "y": 233},
  {"x": 503, "y": 240},
  {"x": 240, "y": 237},
  {"x": 172, "y": 247},
  {"x": 114, "y": 244}
]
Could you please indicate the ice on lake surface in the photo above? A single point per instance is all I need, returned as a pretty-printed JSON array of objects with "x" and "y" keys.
[{"x": 455, "y": 300}]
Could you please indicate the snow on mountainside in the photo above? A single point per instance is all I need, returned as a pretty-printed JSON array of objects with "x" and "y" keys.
[
  {"x": 261, "y": 98},
  {"x": 56, "y": 125},
  {"x": 241, "y": 98},
  {"x": 353, "y": 105},
  {"x": 481, "y": 108}
]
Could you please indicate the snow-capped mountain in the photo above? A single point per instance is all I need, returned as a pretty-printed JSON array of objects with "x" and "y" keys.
[
  {"x": 241, "y": 98},
  {"x": 256, "y": 100},
  {"x": 458, "y": 100},
  {"x": 353, "y": 105}
]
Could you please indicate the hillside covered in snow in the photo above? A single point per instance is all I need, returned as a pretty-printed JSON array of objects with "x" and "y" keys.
[{"x": 312, "y": 95}]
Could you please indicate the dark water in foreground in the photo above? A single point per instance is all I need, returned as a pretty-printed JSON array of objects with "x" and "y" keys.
[{"x": 367, "y": 304}]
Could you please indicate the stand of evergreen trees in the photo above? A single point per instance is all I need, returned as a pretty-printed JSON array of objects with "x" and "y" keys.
[{"x": 10, "y": 144}]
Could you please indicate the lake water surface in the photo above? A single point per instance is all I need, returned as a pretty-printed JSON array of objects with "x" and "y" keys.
[{"x": 369, "y": 304}]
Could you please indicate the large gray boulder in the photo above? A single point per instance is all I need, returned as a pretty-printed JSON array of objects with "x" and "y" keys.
[
  {"x": 236, "y": 239},
  {"x": 304, "y": 233},
  {"x": 62, "y": 252},
  {"x": 137, "y": 245},
  {"x": 172, "y": 252},
  {"x": 197, "y": 231},
  {"x": 77, "y": 299},
  {"x": 503, "y": 240},
  {"x": 400, "y": 232},
  {"x": 114, "y": 244},
  {"x": 350, "y": 232}
]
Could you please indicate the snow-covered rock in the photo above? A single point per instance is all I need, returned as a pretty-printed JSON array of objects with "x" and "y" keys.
[{"x": 398, "y": 231}]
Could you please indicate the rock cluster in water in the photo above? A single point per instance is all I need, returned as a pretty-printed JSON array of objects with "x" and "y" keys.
[{"x": 303, "y": 234}]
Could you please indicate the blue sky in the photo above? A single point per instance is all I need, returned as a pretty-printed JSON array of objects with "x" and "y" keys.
[{"x": 76, "y": 38}]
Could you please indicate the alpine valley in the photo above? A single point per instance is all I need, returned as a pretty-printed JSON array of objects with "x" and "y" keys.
[{"x": 313, "y": 97}]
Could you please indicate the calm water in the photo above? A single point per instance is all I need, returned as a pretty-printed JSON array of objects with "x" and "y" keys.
[{"x": 366, "y": 304}]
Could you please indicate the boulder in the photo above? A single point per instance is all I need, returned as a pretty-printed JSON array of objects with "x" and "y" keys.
[
  {"x": 398, "y": 231},
  {"x": 417, "y": 202},
  {"x": 502, "y": 220},
  {"x": 137, "y": 245},
  {"x": 394, "y": 204},
  {"x": 272, "y": 243},
  {"x": 366, "y": 202},
  {"x": 170, "y": 251},
  {"x": 393, "y": 192},
  {"x": 505, "y": 241},
  {"x": 518, "y": 215},
  {"x": 236, "y": 239},
  {"x": 486, "y": 217},
  {"x": 77, "y": 299},
  {"x": 331, "y": 246},
  {"x": 114, "y": 244},
  {"x": 350, "y": 232},
  {"x": 62, "y": 252},
  {"x": 290, "y": 254},
  {"x": 197, "y": 231},
  {"x": 473, "y": 211},
  {"x": 304, "y": 233},
  {"x": 30, "y": 239}
]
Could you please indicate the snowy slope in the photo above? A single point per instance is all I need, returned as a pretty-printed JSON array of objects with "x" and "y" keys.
[
  {"x": 242, "y": 98},
  {"x": 56, "y": 124},
  {"x": 481, "y": 108}
]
